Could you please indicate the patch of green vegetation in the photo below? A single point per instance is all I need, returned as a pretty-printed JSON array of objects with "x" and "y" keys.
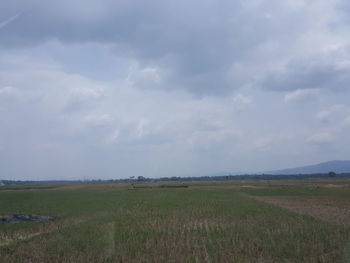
[
  {"x": 27, "y": 187},
  {"x": 111, "y": 224}
]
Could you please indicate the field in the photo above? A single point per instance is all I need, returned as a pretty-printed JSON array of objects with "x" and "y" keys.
[{"x": 233, "y": 221}]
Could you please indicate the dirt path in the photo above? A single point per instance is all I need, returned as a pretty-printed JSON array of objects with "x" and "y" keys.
[{"x": 311, "y": 207}]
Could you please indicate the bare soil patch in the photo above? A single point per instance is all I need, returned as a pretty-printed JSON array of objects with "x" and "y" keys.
[
  {"x": 312, "y": 207},
  {"x": 334, "y": 186}
]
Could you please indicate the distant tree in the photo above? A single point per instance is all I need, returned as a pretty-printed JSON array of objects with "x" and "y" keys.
[
  {"x": 332, "y": 174},
  {"x": 141, "y": 178}
]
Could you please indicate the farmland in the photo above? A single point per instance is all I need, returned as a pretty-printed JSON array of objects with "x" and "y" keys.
[{"x": 234, "y": 221}]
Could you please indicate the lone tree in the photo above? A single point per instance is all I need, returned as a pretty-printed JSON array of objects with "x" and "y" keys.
[{"x": 141, "y": 179}]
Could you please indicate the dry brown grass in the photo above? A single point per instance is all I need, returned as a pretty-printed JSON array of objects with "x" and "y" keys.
[
  {"x": 325, "y": 209},
  {"x": 8, "y": 238}
]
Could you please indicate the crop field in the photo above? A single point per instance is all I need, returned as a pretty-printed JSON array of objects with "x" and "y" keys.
[{"x": 233, "y": 221}]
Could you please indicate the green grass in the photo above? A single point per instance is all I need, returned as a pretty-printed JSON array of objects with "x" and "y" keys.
[
  {"x": 27, "y": 187},
  {"x": 108, "y": 223}
]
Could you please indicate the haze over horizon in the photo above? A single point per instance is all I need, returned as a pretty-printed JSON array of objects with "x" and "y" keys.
[{"x": 112, "y": 89}]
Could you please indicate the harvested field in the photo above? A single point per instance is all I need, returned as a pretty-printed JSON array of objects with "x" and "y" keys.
[
  {"x": 312, "y": 207},
  {"x": 209, "y": 222}
]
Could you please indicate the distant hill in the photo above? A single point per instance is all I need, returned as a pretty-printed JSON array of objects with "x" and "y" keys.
[{"x": 326, "y": 167}]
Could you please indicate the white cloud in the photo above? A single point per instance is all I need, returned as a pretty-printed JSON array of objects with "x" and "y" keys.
[
  {"x": 242, "y": 102},
  {"x": 322, "y": 137},
  {"x": 209, "y": 139},
  {"x": 337, "y": 109},
  {"x": 141, "y": 127},
  {"x": 8, "y": 91},
  {"x": 57, "y": 90},
  {"x": 151, "y": 73},
  {"x": 273, "y": 141},
  {"x": 301, "y": 95},
  {"x": 8, "y": 21},
  {"x": 145, "y": 77},
  {"x": 114, "y": 137},
  {"x": 98, "y": 120},
  {"x": 346, "y": 121}
]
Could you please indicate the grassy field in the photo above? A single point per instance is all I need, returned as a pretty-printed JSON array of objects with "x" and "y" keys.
[{"x": 204, "y": 222}]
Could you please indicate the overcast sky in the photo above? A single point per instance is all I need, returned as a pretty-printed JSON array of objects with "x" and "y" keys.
[{"x": 120, "y": 88}]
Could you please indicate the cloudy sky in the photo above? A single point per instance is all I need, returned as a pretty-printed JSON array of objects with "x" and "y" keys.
[{"x": 119, "y": 88}]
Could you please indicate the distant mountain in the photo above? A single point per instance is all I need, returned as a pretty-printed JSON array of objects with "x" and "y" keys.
[{"x": 326, "y": 167}]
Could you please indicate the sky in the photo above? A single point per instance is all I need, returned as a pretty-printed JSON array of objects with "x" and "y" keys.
[{"x": 110, "y": 89}]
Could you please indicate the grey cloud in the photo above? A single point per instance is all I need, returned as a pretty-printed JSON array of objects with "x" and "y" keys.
[
  {"x": 118, "y": 88},
  {"x": 196, "y": 42},
  {"x": 309, "y": 75}
]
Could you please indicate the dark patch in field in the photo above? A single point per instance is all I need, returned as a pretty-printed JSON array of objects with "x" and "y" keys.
[
  {"x": 25, "y": 218},
  {"x": 135, "y": 187},
  {"x": 174, "y": 186}
]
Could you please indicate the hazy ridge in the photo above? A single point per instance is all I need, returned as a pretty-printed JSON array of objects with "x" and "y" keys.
[{"x": 337, "y": 166}]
